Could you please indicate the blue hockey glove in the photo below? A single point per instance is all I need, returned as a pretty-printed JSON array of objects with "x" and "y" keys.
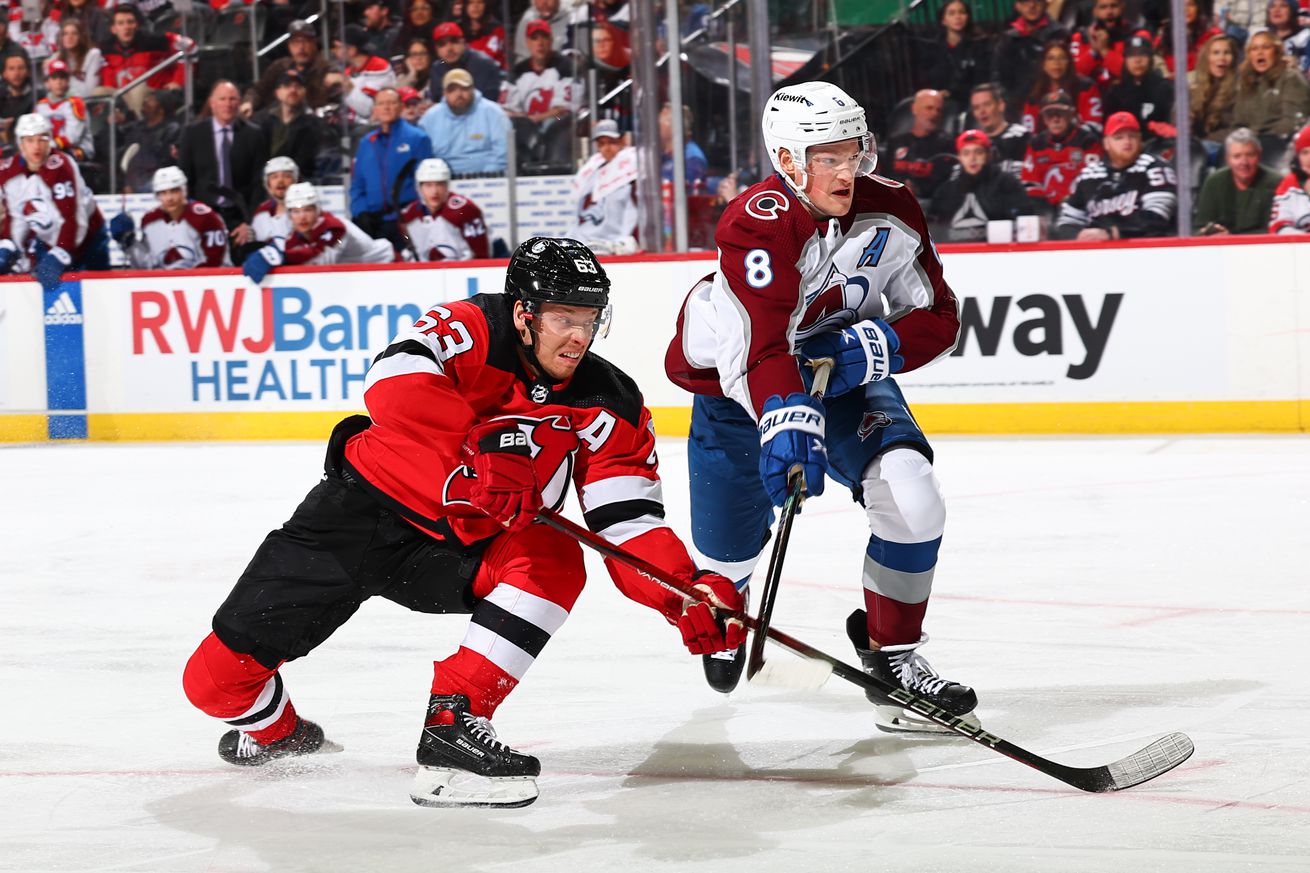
[
  {"x": 259, "y": 264},
  {"x": 122, "y": 228},
  {"x": 50, "y": 268},
  {"x": 8, "y": 255},
  {"x": 791, "y": 435},
  {"x": 862, "y": 353}
]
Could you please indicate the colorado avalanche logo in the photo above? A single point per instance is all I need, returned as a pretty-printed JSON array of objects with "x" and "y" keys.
[
  {"x": 442, "y": 253},
  {"x": 38, "y": 215},
  {"x": 178, "y": 258},
  {"x": 553, "y": 445},
  {"x": 871, "y": 422},
  {"x": 836, "y": 306}
]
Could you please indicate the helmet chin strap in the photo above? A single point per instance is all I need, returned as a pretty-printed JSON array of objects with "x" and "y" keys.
[{"x": 530, "y": 352}]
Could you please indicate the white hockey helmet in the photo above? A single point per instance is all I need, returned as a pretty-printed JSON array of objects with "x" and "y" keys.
[
  {"x": 300, "y": 195},
  {"x": 282, "y": 164},
  {"x": 168, "y": 178},
  {"x": 32, "y": 124},
  {"x": 432, "y": 170},
  {"x": 813, "y": 113}
]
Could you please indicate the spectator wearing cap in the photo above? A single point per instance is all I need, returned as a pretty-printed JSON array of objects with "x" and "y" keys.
[
  {"x": 303, "y": 56},
  {"x": 1019, "y": 51},
  {"x": 67, "y": 114},
  {"x": 549, "y": 11},
  {"x": 1289, "y": 23},
  {"x": 1273, "y": 98},
  {"x": 1009, "y": 139},
  {"x": 468, "y": 131},
  {"x": 1130, "y": 194},
  {"x": 1058, "y": 153},
  {"x": 605, "y": 191},
  {"x": 411, "y": 105},
  {"x": 1142, "y": 89},
  {"x": 1098, "y": 48},
  {"x": 380, "y": 33},
  {"x": 131, "y": 51},
  {"x": 382, "y": 178},
  {"x": 453, "y": 53},
  {"x": 366, "y": 74},
  {"x": 289, "y": 128},
  {"x": 84, "y": 60},
  {"x": 922, "y": 156},
  {"x": 416, "y": 68},
  {"x": 222, "y": 156},
  {"x": 541, "y": 98},
  {"x": 977, "y": 192},
  {"x": 1291, "y": 209},
  {"x": 1239, "y": 198}
]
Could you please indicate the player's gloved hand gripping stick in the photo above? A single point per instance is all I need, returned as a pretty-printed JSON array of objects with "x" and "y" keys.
[{"x": 1158, "y": 757}]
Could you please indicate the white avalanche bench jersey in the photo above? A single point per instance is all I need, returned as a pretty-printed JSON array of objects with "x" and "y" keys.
[
  {"x": 197, "y": 239},
  {"x": 784, "y": 276}
]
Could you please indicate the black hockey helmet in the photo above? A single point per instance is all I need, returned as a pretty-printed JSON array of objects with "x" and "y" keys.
[{"x": 564, "y": 271}]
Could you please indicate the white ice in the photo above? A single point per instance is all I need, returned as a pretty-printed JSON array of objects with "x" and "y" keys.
[{"x": 1097, "y": 592}]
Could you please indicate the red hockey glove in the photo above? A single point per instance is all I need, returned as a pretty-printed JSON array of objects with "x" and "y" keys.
[
  {"x": 704, "y": 629},
  {"x": 506, "y": 484}
]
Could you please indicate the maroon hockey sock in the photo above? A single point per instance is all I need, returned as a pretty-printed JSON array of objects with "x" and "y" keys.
[
  {"x": 468, "y": 673},
  {"x": 892, "y": 623}
]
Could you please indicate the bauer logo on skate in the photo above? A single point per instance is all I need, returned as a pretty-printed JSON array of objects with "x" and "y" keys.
[{"x": 963, "y": 724}]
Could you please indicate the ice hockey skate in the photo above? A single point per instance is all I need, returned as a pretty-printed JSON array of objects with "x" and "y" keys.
[
  {"x": 461, "y": 763},
  {"x": 241, "y": 749},
  {"x": 904, "y": 666}
]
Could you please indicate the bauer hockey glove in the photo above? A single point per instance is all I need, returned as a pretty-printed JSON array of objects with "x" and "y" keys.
[
  {"x": 791, "y": 435},
  {"x": 259, "y": 264},
  {"x": 50, "y": 268},
  {"x": 704, "y": 630},
  {"x": 862, "y": 353},
  {"x": 506, "y": 484}
]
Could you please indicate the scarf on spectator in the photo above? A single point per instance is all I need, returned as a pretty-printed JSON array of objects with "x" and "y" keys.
[{"x": 602, "y": 177}]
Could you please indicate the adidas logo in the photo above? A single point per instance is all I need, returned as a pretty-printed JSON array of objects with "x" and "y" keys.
[{"x": 62, "y": 311}]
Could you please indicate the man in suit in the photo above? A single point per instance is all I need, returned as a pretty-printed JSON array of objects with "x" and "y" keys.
[{"x": 223, "y": 157}]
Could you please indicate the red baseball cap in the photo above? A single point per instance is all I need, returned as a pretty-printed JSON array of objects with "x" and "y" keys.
[
  {"x": 1121, "y": 121},
  {"x": 539, "y": 25},
  {"x": 973, "y": 137},
  {"x": 1302, "y": 140},
  {"x": 447, "y": 30},
  {"x": 56, "y": 68},
  {"x": 408, "y": 95}
]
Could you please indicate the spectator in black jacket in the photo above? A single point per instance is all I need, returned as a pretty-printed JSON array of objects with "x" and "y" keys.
[
  {"x": 304, "y": 57},
  {"x": 920, "y": 157},
  {"x": 381, "y": 33},
  {"x": 977, "y": 193},
  {"x": 16, "y": 97},
  {"x": 1019, "y": 52},
  {"x": 149, "y": 143},
  {"x": 958, "y": 57},
  {"x": 454, "y": 53},
  {"x": 290, "y": 129},
  {"x": 1143, "y": 91}
]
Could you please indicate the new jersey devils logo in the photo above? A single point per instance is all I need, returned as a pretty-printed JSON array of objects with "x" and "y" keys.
[
  {"x": 871, "y": 422},
  {"x": 553, "y": 445}
]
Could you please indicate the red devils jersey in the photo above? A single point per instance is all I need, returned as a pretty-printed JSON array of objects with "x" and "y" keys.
[
  {"x": 1052, "y": 165},
  {"x": 1087, "y": 101},
  {"x": 458, "y": 366}
]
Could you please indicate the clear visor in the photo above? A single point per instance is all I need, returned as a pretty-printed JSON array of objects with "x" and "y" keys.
[
  {"x": 595, "y": 326},
  {"x": 859, "y": 160}
]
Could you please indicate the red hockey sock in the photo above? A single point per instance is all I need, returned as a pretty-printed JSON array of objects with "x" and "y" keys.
[
  {"x": 466, "y": 672},
  {"x": 892, "y": 623},
  {"x": 231, "y": 686}
]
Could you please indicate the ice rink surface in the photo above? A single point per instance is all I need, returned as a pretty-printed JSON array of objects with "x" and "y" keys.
[{"x": 1097, "y": 593}]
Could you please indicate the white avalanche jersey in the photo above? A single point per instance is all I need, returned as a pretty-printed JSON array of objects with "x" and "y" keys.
[
  {"x": 457, "y": 232},
  {"x": 784, "y": 276},
  {"x": 53, "y": 205},
  {"x": 334, "y": 240},
  {"x": 607, "y": 197},
  {"x": 197, "y": 239},
  {"x": 268, "y": 225}
]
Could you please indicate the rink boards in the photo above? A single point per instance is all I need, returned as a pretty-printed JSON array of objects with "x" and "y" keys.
[{"x": 1152, "y": 337}]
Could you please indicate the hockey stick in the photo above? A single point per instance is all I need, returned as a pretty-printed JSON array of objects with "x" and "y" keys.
[
  {"x": 790, "y": 509},
  {"x": 1145, "y": 764}
]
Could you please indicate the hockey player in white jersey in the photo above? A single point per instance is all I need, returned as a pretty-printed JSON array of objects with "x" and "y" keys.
[
  {"x": 317, "y": 237},
  {"x": 439, "y": 225},
  {"x": 271, "y": 222},
  {"x": 823, "y": 259},
  {"x": 179, "y": 234}
]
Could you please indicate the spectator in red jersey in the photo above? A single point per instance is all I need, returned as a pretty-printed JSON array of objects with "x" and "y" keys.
[
  {"x": 1198, "y": 15},
  {"x": 441, "y": 226},
  {"x": 179, "y": 234},
  {"x": 922, "y": 156},
  {"x": 1059, "y": 152},
  {"x": 132, "y": 51},
  {"x": 1142, "y": 90},
  {"x": 987, "y": 106},
  {"x": 1212, "y": 88},
  {"x": 977, "y": 192},
  {"x": 1098, "y": 49},
  {"x": 317, "y": 237},
  {"x": 484, "y": 31},
  {"x": 1019, "y": 51},
  {"x": 1057, "y": 74},
  {"x": 1291, "y": 210},
  {"x": 1272, "y": 96},
  {"x": 366, "y": 75}
]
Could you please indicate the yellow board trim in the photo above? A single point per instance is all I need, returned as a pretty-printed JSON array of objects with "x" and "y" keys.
[{"x": 1274, "y": 416}]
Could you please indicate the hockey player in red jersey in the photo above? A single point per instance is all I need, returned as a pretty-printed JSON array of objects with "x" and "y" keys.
[
  {"x": 824, "y": 259},
  {"x": 439, "y": 225},
  {"x": 51, "y": 221},
  {"x": 317, "y": 237},
  {"x": 481, "y": 413},
  {"x": 179, "y": 234}
]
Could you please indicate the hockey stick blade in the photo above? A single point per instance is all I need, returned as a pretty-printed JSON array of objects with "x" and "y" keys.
[{"x": 1153, "y": 760}]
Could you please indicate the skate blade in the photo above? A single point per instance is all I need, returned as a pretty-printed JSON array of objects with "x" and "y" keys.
[
  {"x": 797, "y": 674},
  {"x": 441, "y": 787},
  {"x": 329, "y": 747},
  {"x": 894, "y": 720}
]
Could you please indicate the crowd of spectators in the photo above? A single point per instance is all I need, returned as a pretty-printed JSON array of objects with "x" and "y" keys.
[{"x": 1075, "y": 101}]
